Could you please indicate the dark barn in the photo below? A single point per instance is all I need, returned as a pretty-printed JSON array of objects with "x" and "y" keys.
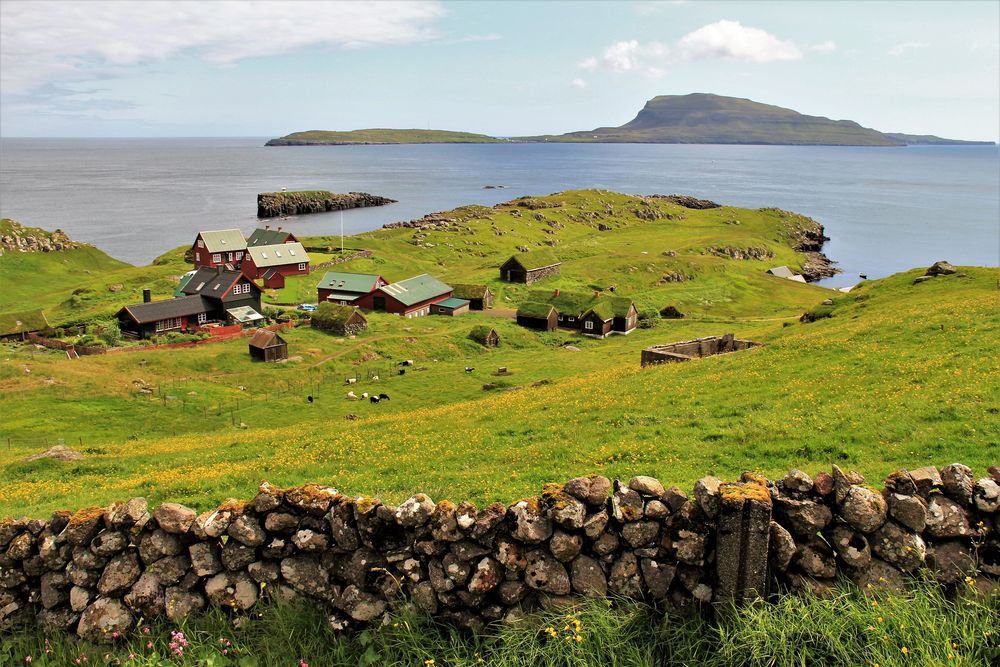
[
  {"x": 538, "y": 316},
  {"x": 267, "y": 346},
  {"x": 530, "y": 267}
]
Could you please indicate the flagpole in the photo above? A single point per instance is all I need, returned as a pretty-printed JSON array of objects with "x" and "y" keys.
[{"x": 341, "y": 232}]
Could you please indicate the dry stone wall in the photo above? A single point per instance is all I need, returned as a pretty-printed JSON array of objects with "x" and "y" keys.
[{"x": 97, "y": 570}]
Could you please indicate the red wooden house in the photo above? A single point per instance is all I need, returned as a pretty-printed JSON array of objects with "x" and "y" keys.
[
  {"x": 411, "y": 297},
  {"x": 218, "y": 248},
  {"x": 273, "y": 262}
]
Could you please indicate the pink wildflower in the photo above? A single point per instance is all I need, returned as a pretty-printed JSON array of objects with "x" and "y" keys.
[{"x": 27, "y": 659}]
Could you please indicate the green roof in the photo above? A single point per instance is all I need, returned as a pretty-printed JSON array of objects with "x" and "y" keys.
[
  {"x": 470, "y": 291},
  {"x": 602, "y": 309},
  {"x": 578, "y": 303},
  {"x": 224, "y": 240},
  {"x": 266, "y": 237},
  {"x": 328, "y": 313},
  {"x": 452, "y": 302},
  {"x": 536, "y": 259},
  {"x": 416, "y": 289},
  {"x": 534, "y": 309},
  {"x": 480, "y": 333},
  {"x": 185, "y": 279},
  {"x": 22, "y": 322},
  {"x": 278, "y": 255},
  {"x": 348, "y": 282}
]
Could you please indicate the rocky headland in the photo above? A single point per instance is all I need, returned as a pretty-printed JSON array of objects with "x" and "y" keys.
[
  {"x": 15, "y": 237},
  {"x": 276, "y": 204}
]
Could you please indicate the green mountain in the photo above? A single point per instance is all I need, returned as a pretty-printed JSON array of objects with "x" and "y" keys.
[
  {"x": 701, "y": 118},
  {"x": 380, "y": 136}
]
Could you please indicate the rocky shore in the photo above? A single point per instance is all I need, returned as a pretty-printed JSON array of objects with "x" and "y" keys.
[
  {"x": 15, "y": 237},
  {"x": 276, "y": 204}
]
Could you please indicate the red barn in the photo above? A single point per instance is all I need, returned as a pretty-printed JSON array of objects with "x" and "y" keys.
[
  {"x": 273, "y": 262},
  {"x": 411, "y": 297},
  {"x": 218, "y": 248}
]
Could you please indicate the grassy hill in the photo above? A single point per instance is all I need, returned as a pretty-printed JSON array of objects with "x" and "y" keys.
[{"x": 381, "y": 136}]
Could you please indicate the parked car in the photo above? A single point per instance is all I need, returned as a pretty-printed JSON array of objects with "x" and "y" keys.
[{"x": 308, "y": 307}]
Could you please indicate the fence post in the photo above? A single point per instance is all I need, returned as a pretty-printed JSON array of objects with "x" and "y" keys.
[{"x": 742, "y": 540}]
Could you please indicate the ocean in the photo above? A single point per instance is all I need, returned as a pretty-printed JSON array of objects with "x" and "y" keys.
[{"x": 884, "y": 209}]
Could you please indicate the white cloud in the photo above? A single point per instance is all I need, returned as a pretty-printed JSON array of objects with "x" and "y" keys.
[
  {"x": 900, "y": 49},
  {"x": 578, "y": 83},
  {"x": 824, "y": 47},
  {"x": 734, "y": 41},
  {"x": 622, "y": 56},
  {"x": 58, "y": 41},
  {"x": 729, "y": 40}
]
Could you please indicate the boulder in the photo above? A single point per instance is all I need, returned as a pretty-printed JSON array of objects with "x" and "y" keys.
[
  {"x": 640, "y": 533},
  {"x": 214, "y": 523},
  {"x": 308, "y": 540},
  {"x": 657, "y": 577},
  {"x": 180, "y": 603},
  {"x": 898, "y": 546},
  {"x": 565, "y": 546},
  {"x": 951, "y": 561},
  {"x": 121, "y": 572},
  {"x": 132, "y": 515},
  {"x": 544, "y": 573},
  {"x": 532, "y": 522},
  {"x": 415, "y": 511},
  {"x": 567, "y": 511},
  {"x": 625, "y": 578},
  {"x": 108, "y": 543},
  {"x": 689, "y": 547},
  {"x": 656, "y": 510},
  {"x": 205, "y": 559},
  {"x": 911, "y": 511},
  {"x": 53, "y": 589},
  {"x": 804, "y": 518},
  {"x": 941, "y": 268},
  {"x": 236, "y": 556},
  {"x": 232, "y": 589},
  {"x": 83, "y": 526},
  {"x": 823, "y": 484},
  {"x": 706, "y": 492},
  {"x": 649, "y": 487},
  {"x": 171, "y": 569},
  {"x": 246, "y": 530},
  {"x": 626, "y": 504},
  {"x": 878, "y": 575},
  {"x": 155, "y": 545},
  {"x": 986, "y": 495},
  {"x": 957, "y": 482},
  {"x": 103, "y": 619},
  {"x": 595, "y": 524},
  {"x": 782, "y": 547},
  {"x": 486, "y": 576},
  {"x": 863, "y": 508},
  {"x": 842, "y": 482},
  {"x": 304, "y": 574},
  {"x": 926, "y": 479},
  {"x": 946, "y": 518},
  {"x": 174, "y": 518},
  {"x": 588, "y": 578},
  {"x": 146, "y": 597},
  {"x": 796, "y": 482},
  {"x": 852, "y": 547},
  {"x": 359, "y": 605},
  {"x": 816, "y": 560}
]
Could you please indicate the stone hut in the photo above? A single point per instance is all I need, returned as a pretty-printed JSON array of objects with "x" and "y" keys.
[
  {"x": 339, "y": 319},
  {"x": 530, "y": 267}
]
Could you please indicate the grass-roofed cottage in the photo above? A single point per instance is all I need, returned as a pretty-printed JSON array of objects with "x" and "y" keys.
[
  {"x": 593, "y": 314},
  {"x": 338, "y": 318},
  {"x": 480, "y": 297},
  {"x": 485, "y": 336},
  {"x": 537, "y": 316},
  {"x": 530, "y": 267},
  {"x": 18, "y": 325},
  {"x": 411, "y": 297},
  {"x": 218, "y": 248},
  {"x": 347, "y": 288}
]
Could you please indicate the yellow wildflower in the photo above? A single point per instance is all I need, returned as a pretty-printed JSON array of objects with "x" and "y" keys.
[{"x": 904, "y": 650}]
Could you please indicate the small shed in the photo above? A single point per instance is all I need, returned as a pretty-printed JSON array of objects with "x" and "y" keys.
[
  {"x": 480, "y": 297},
  {"x": 450, "y": 306},
  {"x": 245, "y": 316},
  {"x": 538, "y": 316},
  {"x": 267, "y": 346},
  {"x": 485, "y": 336},
  {"x": 338, "y": 318}
]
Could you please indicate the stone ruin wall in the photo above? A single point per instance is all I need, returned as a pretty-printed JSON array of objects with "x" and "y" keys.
[
  {"x": 98, "y": 570},
  {"x": 694, "y": 349},
  {"x": 536, "y": 275}
]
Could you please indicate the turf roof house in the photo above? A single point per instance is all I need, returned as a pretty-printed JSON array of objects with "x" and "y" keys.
[
  {"x": 530, "y": 267},
  {"x": 538, "y": 316},
  {"x": 272, "y": 263},
  {"x": 592, "y": 315},
  {"x": 218, "y": 248},
  {"x": 480, "y": 297},
  {"x": 347, "y": 288},
  {"x": 210, "y": 295},
  {"x": 411, "y": 297}
]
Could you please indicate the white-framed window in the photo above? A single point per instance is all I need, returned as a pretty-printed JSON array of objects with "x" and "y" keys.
[
  {"x": 588, "y": 325},
  {"x": 302, "y": 266},
  {"x": 202, "y": 318},
  {"x": 216, "y": 258},
  {"x": 197, "y": 257},
  {"x": 169, "y": 323},
  {"x": 237, "y": 289},
  {"x": 230, "y": 257},
  {"x": 572, "y": 319},
  {"x": 239, "y": 256},
  {"x": 201, "y": 243},
  {"x": 560, "y": 318}
]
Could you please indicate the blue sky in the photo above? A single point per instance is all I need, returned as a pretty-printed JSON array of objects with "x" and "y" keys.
[{"x": 502, "y": 68}]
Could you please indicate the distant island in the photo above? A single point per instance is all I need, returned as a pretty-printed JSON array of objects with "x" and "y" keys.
[{"x": 698, "y": 118}]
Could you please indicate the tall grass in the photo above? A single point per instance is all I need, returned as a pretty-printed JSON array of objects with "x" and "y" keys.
[{"x": 920, "y": 627}]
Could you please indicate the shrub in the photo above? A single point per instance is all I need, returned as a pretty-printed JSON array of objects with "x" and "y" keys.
[
  {"x": 112, "y": 334},
  {"x": 817, "y": 313}
]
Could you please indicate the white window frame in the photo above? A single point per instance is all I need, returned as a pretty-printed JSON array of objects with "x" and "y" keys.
[
  {"x": 588, "y": 325},
  {"x": 217, "y": 258},
  {"x": 197, "y": 257},
  {"x": 202, "y": 318},
  {"x": 239, "y": 256},
  {"x": 302, "y": 266},
  {"x": 201, "y": 243},
  {"x": 237, "y": 289},
  {"x": 168, "y": 324},
  {"x": 572, "y": 319}
]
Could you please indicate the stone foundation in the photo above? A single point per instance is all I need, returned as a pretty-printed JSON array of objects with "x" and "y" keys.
[
  {"x": 694, "y": 349},
  {"x": 97, "y": 570}
]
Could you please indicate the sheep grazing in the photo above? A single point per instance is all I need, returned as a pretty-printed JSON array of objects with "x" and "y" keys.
[
  {"x": 374, "y": 378},
  {"x": 383, "y": 397},
  {"x": 402, "y": 371},
  {"x": 406, "y": 362},
  {"x": 364, "y": 395},
  {"x": 309, "y": 398},
  {"x": 469, "y": 369},
  {"x": 374, "y": 399},
  {"x": 352, "y": 380},
  {"x": 351, "y": 396}
]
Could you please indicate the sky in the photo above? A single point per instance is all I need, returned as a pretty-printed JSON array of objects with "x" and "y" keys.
[{"x": 267, "y": 68}]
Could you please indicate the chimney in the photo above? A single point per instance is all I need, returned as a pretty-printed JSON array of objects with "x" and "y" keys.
[
  {"x": 279, "y": 228},
  {"x": 555, "y": 292},
  {"x": 597, "y": 293},
  {"x": 147, "y": 296},
  {"x": 267, "y": 226}
]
